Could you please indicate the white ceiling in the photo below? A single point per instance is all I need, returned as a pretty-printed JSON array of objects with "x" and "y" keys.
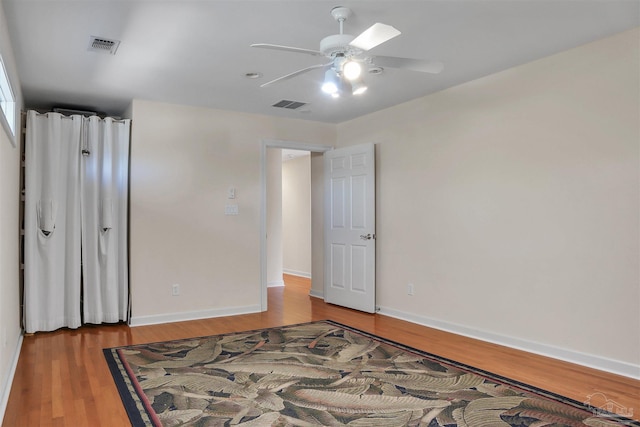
[{"x": 196, "y": 52}]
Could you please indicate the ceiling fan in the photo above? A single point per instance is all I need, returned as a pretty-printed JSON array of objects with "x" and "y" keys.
[{"x": 347, "y": 54}]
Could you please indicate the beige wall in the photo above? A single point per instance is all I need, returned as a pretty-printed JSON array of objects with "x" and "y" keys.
[
  {"x": 296, "y": 215},
  {"x": 512, "y": 204},
  {"x": 183, "y": 159},
  {"x": 10, "y": 332},
  {"x": 274, "y": 217}
]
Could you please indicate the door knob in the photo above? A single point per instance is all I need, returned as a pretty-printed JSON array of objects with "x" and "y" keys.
[{"x": 366, "y": 236}]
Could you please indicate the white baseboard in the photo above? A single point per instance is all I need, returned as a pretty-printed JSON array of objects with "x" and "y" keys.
[
  {"x": 6, "y": 385},
  {"x": 191, "y": 315},
  {"x": 316, "y": 294},
  {"x": 275, "y": 284},
  {"x": 589, "y": 360},
  {"x": 297, "y": 273}
]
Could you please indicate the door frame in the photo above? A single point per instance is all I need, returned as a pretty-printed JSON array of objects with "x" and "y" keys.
[{"x": 264, "y": 145}]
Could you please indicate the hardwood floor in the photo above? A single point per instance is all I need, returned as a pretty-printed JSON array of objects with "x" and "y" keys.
[{"x": 62, "y": 378}]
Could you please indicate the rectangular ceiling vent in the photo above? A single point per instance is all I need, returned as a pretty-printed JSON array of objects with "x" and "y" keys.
[
  {"x": 290, "y": 105},
  {"x": 103, "y": 45}
]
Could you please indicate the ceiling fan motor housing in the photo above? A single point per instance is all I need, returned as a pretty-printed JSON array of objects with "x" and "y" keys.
[{"x": 336, "y": 44}]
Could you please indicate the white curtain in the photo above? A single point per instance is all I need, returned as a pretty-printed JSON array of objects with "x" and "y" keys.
[
  {"x": 104, "y": 178},
  {"x": 76, "y": 189},
  {"x": 52, "y": 222}
]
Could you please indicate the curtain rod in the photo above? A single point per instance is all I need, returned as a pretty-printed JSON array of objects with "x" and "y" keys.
[{"x": 115, "y": 120}]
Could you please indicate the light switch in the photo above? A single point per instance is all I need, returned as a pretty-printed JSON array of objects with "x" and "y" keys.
[
  {"x": 231, "y": 210},
  {"x": 231, "y": 193}
]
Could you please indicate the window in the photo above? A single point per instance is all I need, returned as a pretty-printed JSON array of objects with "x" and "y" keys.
[{"x": 7, "y": 103}]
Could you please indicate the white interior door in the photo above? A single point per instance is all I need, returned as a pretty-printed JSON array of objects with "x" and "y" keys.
[{"x": 350, "y": 245}]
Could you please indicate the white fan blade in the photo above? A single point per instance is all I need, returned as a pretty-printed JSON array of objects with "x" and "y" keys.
[
  {"x": 422, "y": 65},
  {"x": 374, "y": 35},
  {"x": 296, "y": 73},
  {"x": 288, "y": 49}
]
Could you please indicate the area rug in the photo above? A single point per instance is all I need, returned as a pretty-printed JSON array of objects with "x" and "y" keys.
[{"x": 325, "y": 374}]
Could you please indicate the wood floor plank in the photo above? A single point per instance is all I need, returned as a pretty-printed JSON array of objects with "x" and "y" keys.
[
  {"x": 62, "y": 378},
  {"x": 57, "y": 397}
]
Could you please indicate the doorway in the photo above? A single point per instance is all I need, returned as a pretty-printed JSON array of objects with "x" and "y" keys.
[
  {"x": 296, "y": 213},
  {"x": 316, "y": 151}
]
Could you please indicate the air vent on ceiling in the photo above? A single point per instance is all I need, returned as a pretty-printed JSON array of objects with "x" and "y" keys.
[
  {"x": 103, "y": 45},
  {"x": 290, "y": 105}
]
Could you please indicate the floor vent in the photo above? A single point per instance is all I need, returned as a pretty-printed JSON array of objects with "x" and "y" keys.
[
  {"x": 290, "y": 105},
  {"x": 102, "y": 45}
]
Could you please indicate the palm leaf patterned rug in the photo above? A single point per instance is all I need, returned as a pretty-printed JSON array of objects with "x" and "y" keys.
[{"x": 324, "y": 374}]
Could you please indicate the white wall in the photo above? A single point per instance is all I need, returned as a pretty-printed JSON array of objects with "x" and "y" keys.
[
  {"x": 10, "y": 333},
  {"x": 183, "y": 160},
  {"x": 512, "y": 203},
  {"x": 296, "y": 215}
]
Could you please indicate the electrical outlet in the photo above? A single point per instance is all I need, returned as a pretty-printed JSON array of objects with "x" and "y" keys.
[
  {"x": 410, "y": 289},
  {"x": 231, "y": 210},
  {"x": 175, "y": 290}
]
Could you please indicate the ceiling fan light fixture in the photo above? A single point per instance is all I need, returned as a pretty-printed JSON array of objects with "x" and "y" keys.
[
  {"x": 351, "y": 70},
  {"x": 331, "y": 82},
  {"x": 358, "y": 87},
  {"x": 345, "y": 88},
  {"x": 330, "y": 88}
]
